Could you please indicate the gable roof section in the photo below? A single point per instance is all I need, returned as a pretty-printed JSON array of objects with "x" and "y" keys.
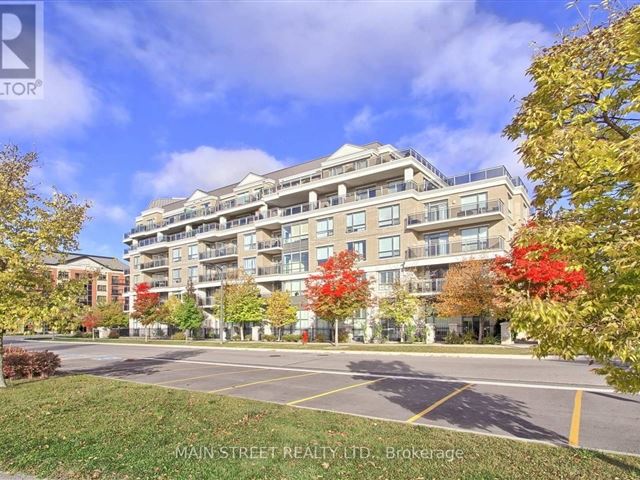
[{"x": 66, "y": 258}]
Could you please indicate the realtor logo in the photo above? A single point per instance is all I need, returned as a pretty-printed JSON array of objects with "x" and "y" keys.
[{"x": 20, "y": 50}]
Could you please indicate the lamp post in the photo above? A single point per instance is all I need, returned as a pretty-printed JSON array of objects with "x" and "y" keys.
[{"x": 222, "y": 279}]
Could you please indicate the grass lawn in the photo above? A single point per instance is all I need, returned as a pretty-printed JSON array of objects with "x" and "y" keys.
[
  {"x": 86, "y": 427},
  {"x": 384, "y": 347}
]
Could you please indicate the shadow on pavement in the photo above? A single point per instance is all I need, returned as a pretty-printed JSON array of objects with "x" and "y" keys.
[{"x": 470, "y": 409}]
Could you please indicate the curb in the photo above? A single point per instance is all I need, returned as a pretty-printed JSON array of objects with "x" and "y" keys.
[{"x": 334, "y": 352}]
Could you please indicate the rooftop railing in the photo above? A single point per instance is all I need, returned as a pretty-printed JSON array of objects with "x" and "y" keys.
[
  {"x": 462, "y": 211},
  {"x": 429, "y": 250}
]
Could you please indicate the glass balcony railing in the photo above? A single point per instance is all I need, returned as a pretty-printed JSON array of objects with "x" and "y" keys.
[
  {"x": 426, "y": 285},
  {"x": 159, "y": 283},
  {"x": 219, "y": 252},
  {"x": 440, "y": 214},
  {"x": 218, "y": 275},
  {"x": 283, "y": 269},
  {"x": 268, "y": 244},
  {"x": 160, "y": 262},
  {"x": 429, "y": 250}
]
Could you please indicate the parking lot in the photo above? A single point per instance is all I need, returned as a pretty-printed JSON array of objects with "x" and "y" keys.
[{"x": 549, "y": 402}]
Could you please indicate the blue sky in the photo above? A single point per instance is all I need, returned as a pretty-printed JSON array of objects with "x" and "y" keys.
[{"x": 156, "y": 99}]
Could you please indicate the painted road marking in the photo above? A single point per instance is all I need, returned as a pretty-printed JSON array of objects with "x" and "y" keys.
[
  {"x": 206, "y": 376},
  {"x": 261, "y": 381},
  {"x": 438, "y": 403},
  {"x": 331, "y": 392},
  {"x": 574, "y": 432}
]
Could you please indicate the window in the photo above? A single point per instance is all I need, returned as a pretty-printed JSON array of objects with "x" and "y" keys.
[
  {"x": 436, "y": 244},
  {"x": 388, "y": 216},
  {"x": 295, "y": 262},
  {"x": 63, "y": 275},
  {"x": 324, "y": 228},
  {"x": 437, "y": 211},
  {"x": 323, "y": 253},
  {"x": 360, "y": 247},
  {"x": 294, "y": 287},
  {"x": 366, "y": 192},
  {"x": 474, "y": 238},
  {"x": 356, "y": 222},
  {"x": 102, "y": 277},
  {"x": 192, "y": 252},
  {"x": 176, "y": 254},
  {"x": 472, "y": 204},
  {"x": 397, "y": 186},
  {"x": 388, "y": 277},
  {"x": 101, "y": 288},
  {"x": 249, "y": 265},
  {"x": 250, "y": 241},
  {"x": 136, "y": 261},
  {"x": 101, "y": 299},
  {"x": 175, "y": 275},
  {"x": 136, "y": 279},
  {"x": 296, "y": 232},
  {"x": 193, "y": 274},
  {"x": 389, "y": 247}
]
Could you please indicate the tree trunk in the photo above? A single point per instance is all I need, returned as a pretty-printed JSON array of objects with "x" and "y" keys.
[
  {"x": 336, "y": 333},
  {"x": 2, "y": 382},
  {"x": 402, "y": 333},
  {"x": 242, "y": 332},
  {"x": 146, "y": 334},
  {"x": 481, "y": 324}
]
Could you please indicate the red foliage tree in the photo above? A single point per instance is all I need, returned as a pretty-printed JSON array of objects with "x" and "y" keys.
[
  {"x": 90, "y": 321},
  {"x": 147, "y": 307},
  {"x": 338, "y": 289},
  {"x": 541, "y": 271}
]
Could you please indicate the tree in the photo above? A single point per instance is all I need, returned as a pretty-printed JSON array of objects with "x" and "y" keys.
[
  {"x": 147, "y": 308},
  {"x": 90, "y": 321},
  {"x": 188, "y": 315},
  {"x": 111, "y": 315},
  {"x": 338, "y": 290},
  {"x": 243, "y": 303},
  {"x": 63, "y": 311},
  {"x": 579, "y": 137},
  {"x": 280, "y": 312},
  {"x": 32, "y": 227},
  {"x": 400, "y": 306},
  {"x": 468, "y": 291}
]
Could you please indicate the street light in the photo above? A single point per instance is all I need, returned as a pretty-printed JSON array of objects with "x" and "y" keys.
[{"x": 222, "y": 279}]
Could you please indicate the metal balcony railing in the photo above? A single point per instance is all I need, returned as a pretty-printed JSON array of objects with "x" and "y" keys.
[
  {"x": 426, "y": 285},
  {"x": 454, "y": 248},
  {"x": 159, "y": 283},
  {"x": 218, "y": 275},
  {"x": 437, "y": 215}
]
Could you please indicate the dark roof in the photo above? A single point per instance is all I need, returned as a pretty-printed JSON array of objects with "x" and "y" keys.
[
  {"x": 112, "y": 263},
  {"x": 274, "y": 175}
]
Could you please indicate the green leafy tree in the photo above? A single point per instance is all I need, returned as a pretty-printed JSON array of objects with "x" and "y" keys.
[
  {"x": 32, "y": 227},
  {"x": 188, "y": 316},
  {"x": 580, "y": 140},
  {"x": 112, "y": 315},
  {"x": 171, "y": 307},
  {"x": 280, "y": 312},
  {"x": 63, "y": 310},
  {"x": 400, "y": 306},
  {"x": 243, "y": 302}
]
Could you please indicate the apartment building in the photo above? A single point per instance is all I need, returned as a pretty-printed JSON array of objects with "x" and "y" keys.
[
  {"x": 105, "y": 276},
  {"x": 406, "y": 218}
]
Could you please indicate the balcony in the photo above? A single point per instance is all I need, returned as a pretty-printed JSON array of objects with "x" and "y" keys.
[
  {"x": 157, "y": 264},
  {"x": 207, "y": 302},
  {"x": 159, "y": 283},
  {"x": 282, "y": 269},
  {"x": 464, "y": 247},
  {"x": 219, "y": 253},
  {"x": 274, "y": 244},
  {"x": 426, "y": 286},
  {"x": 451, "y": 217},
  {"x": 219, "y": 275}
]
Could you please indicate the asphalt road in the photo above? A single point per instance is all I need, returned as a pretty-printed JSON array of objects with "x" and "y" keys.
[{"x": 550, "y": 400}]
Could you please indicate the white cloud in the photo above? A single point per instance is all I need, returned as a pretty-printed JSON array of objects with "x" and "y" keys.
[
  {"x": 69, "y": 104},
  {"x": 314, "y": 51},
  {"x": 461, "y": 150},
  {"x": 361, "y": 122},
  {"x": 113, "y": 212},
  {"x": 205, "y": 168}
]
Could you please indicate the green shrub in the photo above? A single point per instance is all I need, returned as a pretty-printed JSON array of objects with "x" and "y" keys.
[
  {"x": 114, "y": 334},
  {"x": 469, "y": 337},
  {"x": 453, "y": 338},
  {"x": 178, "y": 336},
  {"x": 291, "y": 338},
  {"x": 269, "y": 338},
  {"x": 321, "y": 338},
  {"x": 235, "y": 337},
  {"x": 490, "y": 340},
  {"x": 343, "y": 336}
]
